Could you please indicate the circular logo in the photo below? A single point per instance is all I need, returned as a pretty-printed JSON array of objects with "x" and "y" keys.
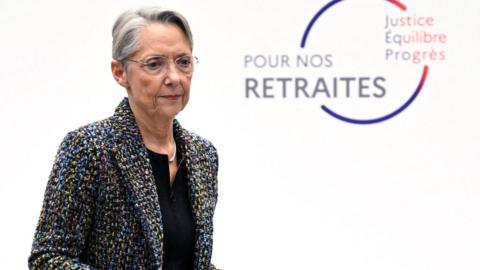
[{"x": 381, "y": 118}]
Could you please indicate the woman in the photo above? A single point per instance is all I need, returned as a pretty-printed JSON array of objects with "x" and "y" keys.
[{"x": 136, "y": 190}]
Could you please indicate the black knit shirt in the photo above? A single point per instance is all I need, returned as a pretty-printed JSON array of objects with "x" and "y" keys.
[{"x": 177, "y": 219}]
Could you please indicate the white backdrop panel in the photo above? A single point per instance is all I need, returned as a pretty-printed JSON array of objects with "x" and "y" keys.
[{"x": 298, "y": 188}]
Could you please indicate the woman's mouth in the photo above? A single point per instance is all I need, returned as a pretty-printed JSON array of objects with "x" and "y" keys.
[{"x": 171, "y": 97}]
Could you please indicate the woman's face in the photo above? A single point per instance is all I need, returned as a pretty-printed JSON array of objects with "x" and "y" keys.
[{"x": 153, "y": 91}]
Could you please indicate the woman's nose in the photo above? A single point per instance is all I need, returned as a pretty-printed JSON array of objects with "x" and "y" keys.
[{"x": 172, "y": 74}]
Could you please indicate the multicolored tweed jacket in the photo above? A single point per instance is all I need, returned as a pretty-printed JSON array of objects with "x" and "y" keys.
[{"x": 101, "y": 208}]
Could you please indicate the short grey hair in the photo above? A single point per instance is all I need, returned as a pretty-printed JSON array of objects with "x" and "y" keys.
[{"x": 129, "y": 24}]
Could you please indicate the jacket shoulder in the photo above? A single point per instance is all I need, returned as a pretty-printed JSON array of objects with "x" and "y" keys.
[
  {"x": 90, "y": 135},
  {"x": 200, "y": 142},
  {"x": 202, "y": 148},
  {"x": 97, "y": 129}
]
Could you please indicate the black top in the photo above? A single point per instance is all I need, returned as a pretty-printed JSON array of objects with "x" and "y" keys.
[{"x": 177, "y": 217}]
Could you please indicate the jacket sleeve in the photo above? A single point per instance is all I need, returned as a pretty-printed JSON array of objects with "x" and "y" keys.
[
  {"x": 67, "y": 209},
  {"x": 214, "y": 155}
]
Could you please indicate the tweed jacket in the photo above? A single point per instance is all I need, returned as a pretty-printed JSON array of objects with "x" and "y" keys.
[{"x": 101, "y": 207}]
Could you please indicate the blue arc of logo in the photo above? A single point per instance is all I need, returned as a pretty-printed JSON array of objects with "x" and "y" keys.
[
  {"x": 386, "y": 117},
  {"x": 314, "y": 19}
]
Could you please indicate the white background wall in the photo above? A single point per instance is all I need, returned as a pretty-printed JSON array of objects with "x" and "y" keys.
[{"x": 298, "y": 189}]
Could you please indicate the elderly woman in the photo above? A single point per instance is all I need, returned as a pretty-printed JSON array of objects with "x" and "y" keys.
[{"x": 136, "y": 190}]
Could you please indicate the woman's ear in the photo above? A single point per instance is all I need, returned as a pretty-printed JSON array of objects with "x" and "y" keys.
[{"x": 119, "y": 73}]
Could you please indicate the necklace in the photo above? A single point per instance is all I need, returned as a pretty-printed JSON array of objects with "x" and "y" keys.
[{"x": 174, "y": 152}]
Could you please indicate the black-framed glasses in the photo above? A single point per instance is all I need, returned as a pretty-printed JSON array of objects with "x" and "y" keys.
[{"x": 158, "y": 64}]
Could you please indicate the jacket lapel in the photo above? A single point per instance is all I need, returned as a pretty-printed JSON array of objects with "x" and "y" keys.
[
  {"x": 132, "y": 159},
  {"x": 198, "y": 192}
]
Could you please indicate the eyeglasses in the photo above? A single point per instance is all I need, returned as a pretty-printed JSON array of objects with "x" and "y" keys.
[{"x": 156, "y": 65}]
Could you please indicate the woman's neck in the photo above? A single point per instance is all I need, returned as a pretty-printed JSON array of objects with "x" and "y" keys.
[{"x": 157, "y": 132}]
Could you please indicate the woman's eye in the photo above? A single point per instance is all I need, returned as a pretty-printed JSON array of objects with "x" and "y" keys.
[
  {"x": 154, "y": 64},
  {"x": 184, "y": 61}
]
